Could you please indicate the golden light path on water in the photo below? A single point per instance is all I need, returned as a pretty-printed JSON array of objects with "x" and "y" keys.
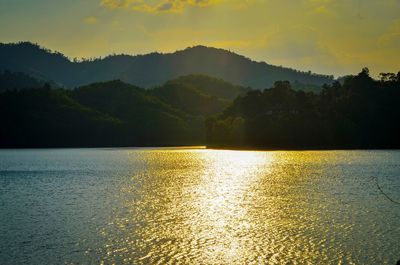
[
  {"x": 233, "y": 207},
  {"x": 221, "y": 202}
]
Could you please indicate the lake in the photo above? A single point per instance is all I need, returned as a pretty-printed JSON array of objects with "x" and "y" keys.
[{"x": 199, "y": 206}]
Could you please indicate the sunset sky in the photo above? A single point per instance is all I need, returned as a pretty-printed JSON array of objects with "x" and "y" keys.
[{"x": 325, "y": 36}]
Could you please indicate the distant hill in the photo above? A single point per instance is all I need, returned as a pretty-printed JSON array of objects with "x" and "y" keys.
[{"x": 150, "y": 70}]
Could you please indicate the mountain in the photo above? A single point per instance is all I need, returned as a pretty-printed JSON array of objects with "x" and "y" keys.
[{"x": 149, "y": 70}]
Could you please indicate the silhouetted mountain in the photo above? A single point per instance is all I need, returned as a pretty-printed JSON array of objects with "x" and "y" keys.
[{"x": 150, "y": 70}]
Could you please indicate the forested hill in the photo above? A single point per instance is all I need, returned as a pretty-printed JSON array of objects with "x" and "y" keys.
[
  {"x": 150, "y": 70},
  {"x": 360, "y": 113},
  {"x": 111, "y": 113},
  {"x": 101, "y": 114}
]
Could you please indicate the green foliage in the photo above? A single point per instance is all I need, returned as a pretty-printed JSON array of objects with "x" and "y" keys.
[
  {"x": 148, "y": 118},
  {"x": 229, "y": 131},
  {"x": 102, "y": 114},
  {"x": 110, "y": 114},
  {"x": 361, "y": 113}
]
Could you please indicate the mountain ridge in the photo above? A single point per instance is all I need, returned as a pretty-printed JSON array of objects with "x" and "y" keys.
[{"x": 149, "y": 70}]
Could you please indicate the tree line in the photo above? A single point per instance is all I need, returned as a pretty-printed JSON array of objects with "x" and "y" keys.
[{"x": 359, "y": 113}]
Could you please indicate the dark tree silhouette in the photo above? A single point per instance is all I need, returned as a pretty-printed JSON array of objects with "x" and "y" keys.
[{"x": 361, "y": 113}]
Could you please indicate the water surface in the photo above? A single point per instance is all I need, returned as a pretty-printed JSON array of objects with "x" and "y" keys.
[{"x": 197, "y": 206}]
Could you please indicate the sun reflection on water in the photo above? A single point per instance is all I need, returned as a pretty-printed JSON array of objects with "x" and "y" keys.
[
  {"x": 187, "y": 206},
  {"x": 222, "y": 201},
  {"x": 230, "y": 207}
]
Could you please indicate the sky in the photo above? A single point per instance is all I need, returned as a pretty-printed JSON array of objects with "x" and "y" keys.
[{"x": 325, "y": 36}]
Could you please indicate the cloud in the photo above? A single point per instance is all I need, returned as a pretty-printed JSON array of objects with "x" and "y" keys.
[
  {"x": 156, "y": 6},
  {"x": 90, "y": 20}
]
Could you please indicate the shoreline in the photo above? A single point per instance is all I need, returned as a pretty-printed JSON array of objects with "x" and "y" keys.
[{"x": 204, "y": 147}]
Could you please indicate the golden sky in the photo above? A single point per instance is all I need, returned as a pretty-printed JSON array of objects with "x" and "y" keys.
[{"x": 325, "y": 36}]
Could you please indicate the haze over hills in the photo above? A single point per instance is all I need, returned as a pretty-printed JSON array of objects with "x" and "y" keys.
[{"x": 151, "y": 69}]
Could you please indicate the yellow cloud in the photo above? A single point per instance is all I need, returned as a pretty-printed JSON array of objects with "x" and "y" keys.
[
  {"x": 156, "y": 6},
  {"x": 90, "y": 20}
]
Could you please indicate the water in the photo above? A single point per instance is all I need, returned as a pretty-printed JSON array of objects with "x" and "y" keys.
[{"x": 197, "y": 206}]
